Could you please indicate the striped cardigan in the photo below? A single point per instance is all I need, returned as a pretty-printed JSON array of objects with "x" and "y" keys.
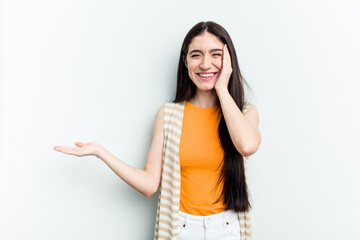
[{"x": 166, "y": 226}]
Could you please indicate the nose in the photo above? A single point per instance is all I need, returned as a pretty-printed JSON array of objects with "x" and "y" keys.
[{"x": 206, "y": 62}]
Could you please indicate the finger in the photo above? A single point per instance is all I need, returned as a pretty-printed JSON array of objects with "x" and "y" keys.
[
  {"x": 226, "y": 53},
  {"x": 79, "y": 144},
  {"x": 227, "y": 58},
  {"x": 66, "y": 150}
]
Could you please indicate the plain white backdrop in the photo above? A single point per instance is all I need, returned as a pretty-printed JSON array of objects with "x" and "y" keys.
[{"x": 99, "y": 70}]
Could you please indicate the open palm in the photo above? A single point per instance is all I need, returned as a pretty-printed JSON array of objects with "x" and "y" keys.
[{"x": 81, "y": 149}]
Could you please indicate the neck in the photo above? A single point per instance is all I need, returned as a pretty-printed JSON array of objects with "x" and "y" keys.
[{"x": 205, "y": 99}]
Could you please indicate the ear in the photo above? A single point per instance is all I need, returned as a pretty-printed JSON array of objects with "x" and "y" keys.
[{"x": 184, "y": 59}]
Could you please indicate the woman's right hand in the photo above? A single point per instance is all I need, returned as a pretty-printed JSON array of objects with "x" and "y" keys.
[
  {"x": 146, "y": 181},
  {"x": 81, "y": 149}
]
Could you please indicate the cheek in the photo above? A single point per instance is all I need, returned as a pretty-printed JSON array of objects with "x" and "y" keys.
[
  {"x": 218, "y": 63},
  {"x": 191, "y": 66}
]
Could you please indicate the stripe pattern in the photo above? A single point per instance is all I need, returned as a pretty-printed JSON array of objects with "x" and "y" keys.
[{"x": 167, "y": 215}]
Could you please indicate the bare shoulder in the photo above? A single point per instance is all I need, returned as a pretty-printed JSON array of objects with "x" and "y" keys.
[
  {"x": 159, "y": 119},
  {"x": 160, "y": 112}
]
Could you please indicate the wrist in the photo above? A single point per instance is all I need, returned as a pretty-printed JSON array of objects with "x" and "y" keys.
[
  {"x": 99, "y": 150},
  {"x": 221, "y": 90}
]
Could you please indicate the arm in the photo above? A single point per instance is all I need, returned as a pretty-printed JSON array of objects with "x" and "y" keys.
[
  {"x": 146, "y": 181},
  {"x": 243, "y": 127}
]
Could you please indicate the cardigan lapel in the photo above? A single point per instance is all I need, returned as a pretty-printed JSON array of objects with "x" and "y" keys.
[{"x": 166, "y": 226}]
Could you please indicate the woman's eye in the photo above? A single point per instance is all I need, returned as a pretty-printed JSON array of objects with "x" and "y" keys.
[
  {"x": 217, "y": 54},
  {"x": 195, "y": 55}
]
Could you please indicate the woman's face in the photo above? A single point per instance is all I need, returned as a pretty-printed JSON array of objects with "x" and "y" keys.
[{"x": 204, "y": 60}]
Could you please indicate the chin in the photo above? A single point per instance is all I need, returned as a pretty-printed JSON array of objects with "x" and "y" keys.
[{"x": 206, "y": 88}]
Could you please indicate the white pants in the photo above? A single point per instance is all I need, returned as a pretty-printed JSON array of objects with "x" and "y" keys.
[{"x": 220, "y": 226}]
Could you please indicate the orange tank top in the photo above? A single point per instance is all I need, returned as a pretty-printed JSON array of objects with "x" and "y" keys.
[{"x": 200, "y": 154}]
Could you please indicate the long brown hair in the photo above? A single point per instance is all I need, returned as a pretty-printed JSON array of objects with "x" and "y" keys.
[{"x": 234, "y": 192}]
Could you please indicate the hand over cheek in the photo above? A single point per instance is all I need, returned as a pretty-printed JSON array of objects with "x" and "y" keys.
[{"x": 226, "y": 71}]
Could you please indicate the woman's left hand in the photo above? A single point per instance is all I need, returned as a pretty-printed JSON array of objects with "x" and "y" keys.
[{"x": 226, "y": 71}]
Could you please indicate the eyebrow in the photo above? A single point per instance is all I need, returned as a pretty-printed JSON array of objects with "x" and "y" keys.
[{"x": 212, "y": 50}]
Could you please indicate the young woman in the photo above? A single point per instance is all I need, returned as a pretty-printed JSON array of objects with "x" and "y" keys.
[{"x": 201, "y": 141}]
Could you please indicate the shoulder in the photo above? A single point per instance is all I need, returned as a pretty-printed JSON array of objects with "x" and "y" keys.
[
  {"x": 160, "y": 112},
  {"x": 159, "y": 120},
  {"x": 174, "y": 107},
  {"x": 168, "y": 108},
  {"x": 249, "y": 107},
  {"x": 172, "y": 104}
]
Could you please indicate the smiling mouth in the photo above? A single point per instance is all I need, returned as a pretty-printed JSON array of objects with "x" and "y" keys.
[{"x": 207, "y": 75}]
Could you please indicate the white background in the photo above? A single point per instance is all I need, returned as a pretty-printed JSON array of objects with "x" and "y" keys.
[{"x": 99, "y": 70}]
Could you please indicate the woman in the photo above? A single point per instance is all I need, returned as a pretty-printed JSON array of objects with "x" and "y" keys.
[{"x": 200, "y": 143}]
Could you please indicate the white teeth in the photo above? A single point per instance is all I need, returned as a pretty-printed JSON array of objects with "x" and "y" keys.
[{"x": 207, "y": 75}]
